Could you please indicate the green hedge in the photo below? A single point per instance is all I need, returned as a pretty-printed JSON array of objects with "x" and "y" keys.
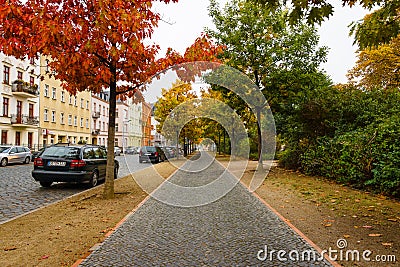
[{"x": 366, "y": 158}]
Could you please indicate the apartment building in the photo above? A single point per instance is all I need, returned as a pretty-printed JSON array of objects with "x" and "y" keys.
[
  {"x": 99, "y": 122},
  {"x": 121, "y": 124},
  {"x": 19, "y": 114},
  {"x": 64, "y": 117},
  {"x": 147, "y": 139},
  {"x": 134, "y": 124}
]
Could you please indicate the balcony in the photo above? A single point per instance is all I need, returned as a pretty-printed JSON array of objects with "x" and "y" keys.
[
  {"x": 96, "y": 132},
  {"x": 24, "y": 120},
  {"x": 96, "y": 114},
  {"x": 24, "y": 89}
]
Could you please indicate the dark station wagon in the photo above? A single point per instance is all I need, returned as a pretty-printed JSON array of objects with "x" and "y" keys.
[
  {"x": 72, "y": 163},
  {"x": 152, "y": 154}
]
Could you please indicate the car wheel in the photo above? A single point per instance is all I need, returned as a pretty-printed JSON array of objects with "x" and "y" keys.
[
  {"x": 94, "y": 179},
  {"x": 27, "y": 160},
  {"x": 45, "y": 184},
  {"x": 3, "y": 162}
]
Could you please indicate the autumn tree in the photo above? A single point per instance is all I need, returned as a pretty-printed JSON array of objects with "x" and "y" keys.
[
  {"x": 180, "y": 92},
  {"x": 378, "y": 67},
  {"x": 94, "y": 45}
]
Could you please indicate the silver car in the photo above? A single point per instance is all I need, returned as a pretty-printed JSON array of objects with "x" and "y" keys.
[{"x": 14, "y": 154}]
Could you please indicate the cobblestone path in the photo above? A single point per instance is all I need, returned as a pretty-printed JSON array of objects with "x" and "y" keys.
[{"x": 235, "y": 230}]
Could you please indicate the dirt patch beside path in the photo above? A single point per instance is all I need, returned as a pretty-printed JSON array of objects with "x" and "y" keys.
[{"x": 62, "y": 233}]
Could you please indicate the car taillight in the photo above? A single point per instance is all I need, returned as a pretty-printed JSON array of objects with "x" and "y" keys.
[
  {"x": 76, "y": 163},
  {"x": 38, "y": 162},
  {"x": 156, "y": 154}
]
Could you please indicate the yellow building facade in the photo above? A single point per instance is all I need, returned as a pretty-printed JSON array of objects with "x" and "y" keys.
[{"x": 63, "y": 117}]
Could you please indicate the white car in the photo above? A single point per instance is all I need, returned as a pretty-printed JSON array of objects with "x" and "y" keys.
[
  {"x": 117, "y": 151},
  {"x": 14, "y": 154}
]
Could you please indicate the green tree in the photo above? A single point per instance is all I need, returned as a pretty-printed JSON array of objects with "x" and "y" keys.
[
  {"x": 180, "y": 92},
  {"x": 273, "y": 53},
  {"x": 379, "y": 27}
]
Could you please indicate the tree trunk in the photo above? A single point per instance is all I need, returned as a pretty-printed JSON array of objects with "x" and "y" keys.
[{"x": 108, "y": 192}]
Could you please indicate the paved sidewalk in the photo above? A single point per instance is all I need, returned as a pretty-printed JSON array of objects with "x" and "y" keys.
[{"x": 235, "y": 230}]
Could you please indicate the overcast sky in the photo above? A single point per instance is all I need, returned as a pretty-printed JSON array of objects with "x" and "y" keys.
[{"x": 186, "y": 20}]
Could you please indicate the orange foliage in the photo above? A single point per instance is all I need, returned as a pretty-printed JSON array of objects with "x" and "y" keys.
[{"x": 94, "y": 44}]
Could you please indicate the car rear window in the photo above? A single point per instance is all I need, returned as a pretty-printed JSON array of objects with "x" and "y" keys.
[
  {"x": 149, "y": 149},
  {"x": 62, "y": 152}
]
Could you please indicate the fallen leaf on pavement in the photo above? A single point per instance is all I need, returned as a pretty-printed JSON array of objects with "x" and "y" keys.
[
  {"x": 346, "y": 236},
  {"x": 392, "y": 220},
  {"x": 10, "y": 248},
  {"x": 374, "y": 235},
  {"x": 45, "y": 257},
  {"x": 387, "y": 244}
]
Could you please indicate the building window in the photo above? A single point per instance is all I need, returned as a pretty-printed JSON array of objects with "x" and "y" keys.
[
  {"x": 46, "y": 90},
  {"x": 32, "y": 61},
  {"x": 116, "y": 127},
  {"x": 94, "y": 107},
  {"x": 104, "y": 126},
  {"x": 69, "y": 119},
  {"x": 53, "y": 93},
  {"x": 70, "y": 99},
  {"x": 63, "y": 96},
  {"x": 87, "y": 123},
  {"x": 19, "y": 75},
  {"x": 81, "y": 102},
  {"x": 46, "y": 115},
  {"x": 53, "y": 116},
  {"x": 62, "y": 118},
  {"x": 3, "y": 137},
  {"x": 87, "y": 104},
  {"x": 6, "y": 103},
  {"x": 104, "y": 111},
  {"x": 81, "y": 122},
  {"x": 30, "y": 110},
  {"x": 6, "y": 75},
  {"x": 116, "y": 114},
  {"x": 32, "y": 81},
  {"x": 75, "y": 121},
  {"x": 75, "y": 101}
]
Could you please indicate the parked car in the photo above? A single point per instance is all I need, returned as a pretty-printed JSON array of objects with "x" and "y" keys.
[
  {"x": 72, "y": 163},
  {"x": 14, "y": 154},
  {"x": 169, "y": 152},
  {"x": 131, "y": 150},
  {"x": 117, "y": 151},
  {"x": 152, "y": 154},
  {"x": 35, "y": 154}
]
